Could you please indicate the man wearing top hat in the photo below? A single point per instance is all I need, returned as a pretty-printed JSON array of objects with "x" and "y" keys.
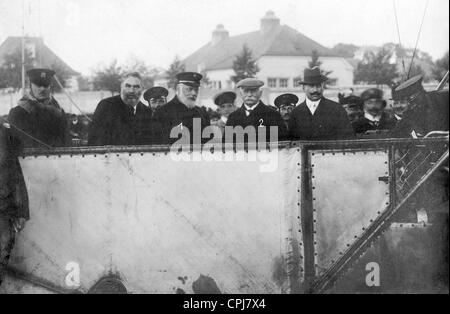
[
  {"x": 419, "y": 112},
  {"x": 318, "y": 118},
  {"x": 255, "y": 113},
  {"x": 38, "y": 120},
  {"x": 181, "y": 111},
  {"x": 285, "y": 104},
  {"x": 121, "y": 119},
  {"x": 374, "y": 118},
  {"x": 225, "y": 101}
]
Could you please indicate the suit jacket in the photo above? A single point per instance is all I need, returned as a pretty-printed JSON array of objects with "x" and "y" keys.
[
  {"x": 362, "y": 124},
  {"x": 114, "y": 123},
  {"x": 329, "y": 122},
  {"x": 13, "y": 192},
  {"x": 174, "y": 114},
  {"x": 261, "y": 116},
  {"x": 46, "y": 123}
]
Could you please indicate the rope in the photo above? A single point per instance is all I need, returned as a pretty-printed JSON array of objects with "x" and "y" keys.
[
  {"x": 399, "y": 39},
  {"x": 26, "y": 134},
  {"x": 417, "y": 40},
  {"x": 70, "y": 98}
]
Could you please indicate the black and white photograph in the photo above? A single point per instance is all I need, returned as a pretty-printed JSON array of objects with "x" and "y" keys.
[{"x": 224, "y": 147}]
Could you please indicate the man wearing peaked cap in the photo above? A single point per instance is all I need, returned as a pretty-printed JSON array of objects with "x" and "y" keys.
[
  {"x": 182, "y": 110},
  {"x": 353, "y": 105},
  {"x": 318, "y": 118},
  {"x": 38, "y": 120},
  {"x": 255, "y": 113},
  {"x": 375, "y": 118},
  {"x": 156, "y": 96},
  {"x": 424, "y": 111},
  {"x": 225, "y": 101},
  {"x": 285, "y": 104}
]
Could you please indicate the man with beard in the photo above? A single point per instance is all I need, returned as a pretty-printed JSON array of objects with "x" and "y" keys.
[
  {"x": 375, "y": 118},
  {"x": 255, "y": 113},
  {"x": 179, "y": 115},
  {"x": 318, "y": 118},
  {"x": 121, "y": 119},
  {"x": 38, "y": 121},
  {"x": 156, "y": 97}
]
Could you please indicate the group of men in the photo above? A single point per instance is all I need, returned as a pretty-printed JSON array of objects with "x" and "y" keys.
[{"x": 123, "y": 119}]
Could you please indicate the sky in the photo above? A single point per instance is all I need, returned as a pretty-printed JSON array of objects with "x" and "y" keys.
[{"x": 89, "y": 33}]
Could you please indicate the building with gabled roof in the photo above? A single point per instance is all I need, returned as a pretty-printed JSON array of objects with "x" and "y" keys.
[{"x": 282, "y": 54}]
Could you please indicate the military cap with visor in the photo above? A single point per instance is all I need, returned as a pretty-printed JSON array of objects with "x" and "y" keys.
[
  {"x": 155, "y": 93},
  {"x": 189, "y": 78},
  {"x": 286, "y": 100},
  {"x": 408, "y": 88},
  {"x": 41, "y": 77},
  {"x": 227, "y": 97}
]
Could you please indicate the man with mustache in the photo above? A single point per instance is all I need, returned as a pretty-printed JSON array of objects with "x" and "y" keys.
[
  {"x": 181, "y": 111},
  {"x": 255, "y": 113},
  {"x": 38, "y": 121},
  {"x": 318, "y": 118},
  {"x": 121, "y": 119}
]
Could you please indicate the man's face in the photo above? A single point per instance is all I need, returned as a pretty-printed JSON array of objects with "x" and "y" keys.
[
  {"x": 157, "y": 102},
  {"x": 286, "y": 110},
  {"x": 373, "y": 106},
  {"x": 399, "y": 107},
  {"x": 314, "y": 91},
  {"x": 131, "y": 90},
  {"x": 250, "y": 96},
  {"x": 226, "y": 109},
  {"x": 187, "y": 94},
  {"x": 353, "y": 113},
  {"x": 40, "y": 92}
]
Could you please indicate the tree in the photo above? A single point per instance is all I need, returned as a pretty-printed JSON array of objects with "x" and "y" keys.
[
  {"x": 375, "y": 68},
  {"x": 147, "y": 72},
  {"x": 244, "y": 65},
  {"x": 108, "y": 78},
  {"x": 440, "y": 67},
  {"x": 11, "y": 69},
  {"x": 345, "y": 50},
  {"x": 176, "y": 67}
]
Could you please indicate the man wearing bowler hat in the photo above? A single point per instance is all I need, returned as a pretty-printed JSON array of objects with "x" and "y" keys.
[
  {"x": 182, "y": 111},
  {"x": 374, "y": 118},
  {"x": 318, "y": 118},
  {"x": 254, "y": 112},
  {"x": 38, "y": 120}
]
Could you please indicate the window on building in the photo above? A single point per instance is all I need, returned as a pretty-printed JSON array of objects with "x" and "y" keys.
[
  {"x": 283, "y": 82},
  {"x": 296, "y": 81},
  {"x": 272, "y": 82}
]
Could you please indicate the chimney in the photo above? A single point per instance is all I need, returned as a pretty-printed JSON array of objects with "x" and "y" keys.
[
  {"x": 269, "y": 22},
  {"x": 219, "y": 34}
]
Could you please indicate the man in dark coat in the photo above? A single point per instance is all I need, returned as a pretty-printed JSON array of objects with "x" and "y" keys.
[
  {"x": 375, "y": 118},
  {"x": 156, "y": 97},
  {"x": 318, "y": 118},
  {"x": 121, "y": 119},
  {"x": 254, "y": 113},
  {"x": 38, "y": 120},
  {"x": 285, "y": 104},
  {"x": 14, "y": 209},
  {"x": 180, "y": 118}
]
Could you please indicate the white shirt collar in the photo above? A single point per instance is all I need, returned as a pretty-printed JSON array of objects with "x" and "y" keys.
[
  {"x": 224, "y": 119},
  {"x": 247, "y": 113},
  {"x": 312, "y": 105},
  {"x": 369, "y": 117},
  {"x": 397, "y": 117}
]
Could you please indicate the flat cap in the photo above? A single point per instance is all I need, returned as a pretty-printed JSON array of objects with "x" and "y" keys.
[
  {"x": 41, "y": 77},
  {"x": 285, "y": 99},
  {"x": 189, "y": 78},
  {"x": 372, "y": 93},
  {"x": 155, "y": 92},
  {"x": 250, "y": 82},
  {"x": 408, "y": 88},
  {"x": 224, "y": 98}
]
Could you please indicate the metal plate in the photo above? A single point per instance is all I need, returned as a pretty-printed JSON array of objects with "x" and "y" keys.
[
  {"x": 347, "y": 195},
  {"x": 162, "y": 225}
]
